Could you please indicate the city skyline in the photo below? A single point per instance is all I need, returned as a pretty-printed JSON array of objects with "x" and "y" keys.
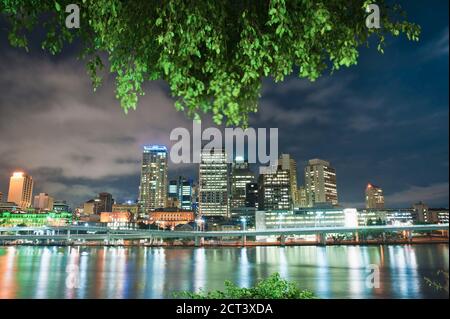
[{"x": 370, "y": 131}]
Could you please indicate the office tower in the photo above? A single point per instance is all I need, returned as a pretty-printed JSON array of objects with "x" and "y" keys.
[
  {"x": 106, "y": 202},
  {"x": 21, "y": 190},
  {"x": 1, "y": 197},
  {"x": 173, "y": 189},
  {"x": 374, "y": 197},
  {"x": 43, "y": 202},
  {"x": 275, "y": 190},
  {"x": 288, "y": 164},
  {"x": 320, "y": 183},
  {"x": 92, "y": 207},
  {"x": 213, "y": 184},
  {"x": 153, "y": 188},
  {"x": 185, "y": 193},
  {"x": 240, "y": 177},
  {"x": 251, "y": 195},
  {"x": 302, "y": 197},
  {"x": 172, "y": 195}
]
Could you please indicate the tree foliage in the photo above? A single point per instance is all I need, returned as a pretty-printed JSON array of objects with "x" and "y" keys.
[
  {"x": 273, "y": 287},
  {"x": 212, "y": 53}
]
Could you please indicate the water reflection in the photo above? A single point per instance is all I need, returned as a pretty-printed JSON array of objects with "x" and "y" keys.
[{"x": 117, "y": 272}]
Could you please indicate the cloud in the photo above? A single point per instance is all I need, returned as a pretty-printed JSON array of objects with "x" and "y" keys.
[
  {"x": 437, "y": 48},
  {"x": 50, "y": 118},
  {"x": 428, "y": 194}
]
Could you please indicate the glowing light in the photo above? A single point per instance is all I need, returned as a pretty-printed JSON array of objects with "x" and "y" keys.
[
  {"x": 18, "y": 174},
  {"x": 351, "y": 217}
]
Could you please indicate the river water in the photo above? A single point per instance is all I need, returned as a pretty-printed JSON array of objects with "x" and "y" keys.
[{"x": 138, "y": 272}]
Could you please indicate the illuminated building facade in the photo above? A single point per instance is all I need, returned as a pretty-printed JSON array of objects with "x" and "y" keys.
[
  {"x": 117, "y": 220},
  {"x": 302, "y": 198},
  {"x": 213, "y": 199},
  {"x": 320, "y": 183},
  {"x": 21, "y": 190},
  {"x": 185, "y": 193},
  {"x": 307, "y": 217},
  {"x": 288, "y": 164},
  {"x": 131, "y": 208},
  {"x": 153, "y": 187},
  {"x": 331, "y": 217},
  {"x": 170, "y": 219},
  {"x": 241, "y": 176},
  {"x": 275, "y": 190},
  {"x": 374, "y": 197},
  {"x": 43, "y": 202},
  {"x": 11, "y": 219},
  {"x": 251, "y": 195}
]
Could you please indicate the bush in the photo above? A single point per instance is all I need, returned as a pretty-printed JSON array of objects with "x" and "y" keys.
[{"x": 273, "y": 287}]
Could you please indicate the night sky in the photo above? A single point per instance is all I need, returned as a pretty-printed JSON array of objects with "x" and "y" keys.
[{"x": 383, "y": 121}]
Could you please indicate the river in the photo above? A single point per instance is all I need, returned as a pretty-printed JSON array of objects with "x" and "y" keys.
[{"x": 138, "y": 272}]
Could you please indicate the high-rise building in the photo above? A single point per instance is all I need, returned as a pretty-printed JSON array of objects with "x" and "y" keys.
[
  {"x": 106, "y": 202},
  {"x": 213, "y": 184},
  {"x": 374, "y": 197},
  {"x": 1, "y": 197},
  {"x": 302, "y": 200},
  {"x": 185, "y": 193},
  {"x": 180, "y": 193},
  {"x": 92, "y": 207},
  {"x": 288, "y": 164},
  {"x": 153, "y": 188},
  {"x": 43, "y": 202},
  {"x": 275, "y": 190},
  {"x": 240, "y": 177},
  {"x": 320, "y": 183},
  {"x": 251, "y": 195},
  {"x": 21, "y": 190}
]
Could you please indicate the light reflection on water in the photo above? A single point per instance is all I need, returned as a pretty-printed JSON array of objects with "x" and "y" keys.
[{"x": 118, "y": 272}]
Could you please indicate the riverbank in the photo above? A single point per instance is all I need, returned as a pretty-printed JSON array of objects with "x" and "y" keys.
[{"x": 240, "y": 243}]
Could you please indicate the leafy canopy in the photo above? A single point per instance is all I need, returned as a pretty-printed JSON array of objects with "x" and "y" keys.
[
  {"x": 212, "y": 53},
  {"x": 273, "y": 287}
]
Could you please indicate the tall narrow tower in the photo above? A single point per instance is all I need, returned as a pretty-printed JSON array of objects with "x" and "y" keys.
[
  {"x": 320, "y": 183},
  {"x": 21, "y": 190},
  {"x": 214, "y": 184},
  {"x": 153, "y": 188}
]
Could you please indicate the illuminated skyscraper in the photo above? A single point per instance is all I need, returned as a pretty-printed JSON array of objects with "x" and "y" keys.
[
  {"x": 213, "y": 184},
  {"x": 320, "y": 183},
  {"x": 374, "y": 197},
  {"x": 288, "y": 164},
  {"x": 251, "y": 195},
  {"x": 153, "y": 188},
  {"x": 302, "y": 197},
  {"x": 21, "y": 190},
  {"x": 275, "y": 190},
  {"x": 240, "y": 177},
  {"x": 185, "y": 193}
]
